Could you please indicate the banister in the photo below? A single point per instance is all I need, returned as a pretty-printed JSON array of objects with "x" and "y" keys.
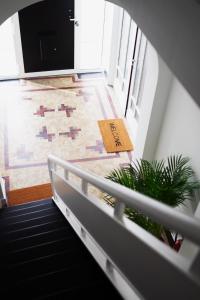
[
  {"x": 188, "y": 226},
  {"x": 3, "y": 197}
]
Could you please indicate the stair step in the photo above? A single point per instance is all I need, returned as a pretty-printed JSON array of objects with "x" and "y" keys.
[
  {"x": 7, "y": 213},
  {"x": 29, "y": 205},
  {"x": 39, "y": 228},
  {"x": 43, "y": 258},
  {"x": 43, "y": 249},
  {"x": 47, "y": 264},
  {"x": 84, "y": 273},
  {"x": 31, "y": 222},
  {"x": 101, "y": 289},
  {"x": 38, "y": 238},
  {"x": 26, "y": 217}
]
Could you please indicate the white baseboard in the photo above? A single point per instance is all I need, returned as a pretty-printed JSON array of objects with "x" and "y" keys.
[{"x": 51, "y": 73}]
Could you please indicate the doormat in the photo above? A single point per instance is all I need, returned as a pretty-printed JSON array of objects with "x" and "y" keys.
[{"x": 115, "y": 136}]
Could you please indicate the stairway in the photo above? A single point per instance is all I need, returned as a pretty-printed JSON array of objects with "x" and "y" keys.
[{"x": 41, "y": 257}]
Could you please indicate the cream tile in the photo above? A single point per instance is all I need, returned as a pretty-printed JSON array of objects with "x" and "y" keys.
[{"x": 72, "y": 134}]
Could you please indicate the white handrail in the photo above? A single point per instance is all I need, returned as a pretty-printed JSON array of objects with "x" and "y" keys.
[
  {"x": 188, "y": 226},
  {"x": 3, "y": 196}
]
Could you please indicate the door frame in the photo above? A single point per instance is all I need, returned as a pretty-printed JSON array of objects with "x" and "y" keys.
[
  {"x": 136, "y": 74},
  {"x": 114, "y": 51},
  {"x": 18, "y": 49},
  {"x": 136, "y": 84},
  {"x": 121, "y": 82},
  {"x": 121, "y": 95}
]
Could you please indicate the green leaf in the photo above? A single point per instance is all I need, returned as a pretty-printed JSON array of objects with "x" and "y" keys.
[{"x": 171, "y": 182}]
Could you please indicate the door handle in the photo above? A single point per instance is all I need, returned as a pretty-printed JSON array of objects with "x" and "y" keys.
[{"x": 76, "y": 22}]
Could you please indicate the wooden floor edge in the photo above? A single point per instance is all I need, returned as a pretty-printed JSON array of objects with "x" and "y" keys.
[{"x": 29, "y": 194}]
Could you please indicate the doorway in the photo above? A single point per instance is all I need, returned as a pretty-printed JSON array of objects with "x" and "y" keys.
[
  {"x": 127, "y": 40},
  {"x": 62, "y": 42},
  {"x": 47, "y": 34},
  {"x": 134, "y": 97},
  {"x": 128, "y": 70}
]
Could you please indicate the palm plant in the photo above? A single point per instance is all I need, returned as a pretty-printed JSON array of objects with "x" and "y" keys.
[{"x": 170, "y": 182}]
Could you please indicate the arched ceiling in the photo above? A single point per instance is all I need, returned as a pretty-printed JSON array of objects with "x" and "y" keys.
[{"x": 173, "y": 28}]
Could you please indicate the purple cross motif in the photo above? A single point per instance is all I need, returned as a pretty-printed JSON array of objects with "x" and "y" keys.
[
  {"x": 73, "y": 132},
  {"x": 22, "y": 153},
  {"x": 45, "y": 135},
  {"x": 69, "y": 110},
  {"x": 27, "y": 98},
  {"x": 99, "y": 147},
  {"x": 40, "y": 112},
  {"x": 86, "y": 95}
]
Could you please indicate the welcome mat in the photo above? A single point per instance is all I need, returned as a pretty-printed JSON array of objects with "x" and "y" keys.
[{"x": 115, "y": 136}]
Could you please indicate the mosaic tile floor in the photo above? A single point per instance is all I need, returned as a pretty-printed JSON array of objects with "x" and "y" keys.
[{"x": 54, "y": 115}]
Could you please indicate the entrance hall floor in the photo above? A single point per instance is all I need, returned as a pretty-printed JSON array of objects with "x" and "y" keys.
[{"x": 54, "y": 115}]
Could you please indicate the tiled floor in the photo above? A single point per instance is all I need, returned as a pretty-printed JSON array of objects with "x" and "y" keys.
[{"x": 54, "y": 115}]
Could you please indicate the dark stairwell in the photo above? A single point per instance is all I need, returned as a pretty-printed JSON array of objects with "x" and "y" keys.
[{"x": 43, "y": 258}]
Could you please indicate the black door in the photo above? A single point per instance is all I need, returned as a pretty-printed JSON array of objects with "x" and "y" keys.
[{"x": 47, "y": 35}]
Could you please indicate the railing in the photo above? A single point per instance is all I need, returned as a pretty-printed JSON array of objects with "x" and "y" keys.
[
  {"x": 130, "y": 252},
  {"x": 3, "y": 197}
]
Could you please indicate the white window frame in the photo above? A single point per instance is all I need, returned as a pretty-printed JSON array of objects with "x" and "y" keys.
[{"x": 135, "y": 96}]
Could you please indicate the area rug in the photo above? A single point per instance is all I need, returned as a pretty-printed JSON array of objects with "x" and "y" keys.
[{"x": 115, "y": 135}]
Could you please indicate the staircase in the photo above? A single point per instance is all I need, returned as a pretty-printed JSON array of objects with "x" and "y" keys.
[
  {"x": 45, "y": 245},
  {"x": 41, "y": 257}
]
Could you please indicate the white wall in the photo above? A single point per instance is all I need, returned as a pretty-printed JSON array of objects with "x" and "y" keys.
[
  {"x": 180, "y": 131},
  {"x": 8, "y": 61},
  {"x": 160, "y": 101},
  {"x": 181, "y": 127}
]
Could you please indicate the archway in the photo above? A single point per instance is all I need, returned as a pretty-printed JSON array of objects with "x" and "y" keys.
[{"x": 174, "y": 32}]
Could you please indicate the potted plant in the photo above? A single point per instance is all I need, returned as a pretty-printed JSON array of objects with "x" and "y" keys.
[{"x": 171, "y": 182}]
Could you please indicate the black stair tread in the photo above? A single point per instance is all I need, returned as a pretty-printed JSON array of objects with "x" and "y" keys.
[
  {"x": 32, "y": 205},
  {"x": 24, "y": 215},
  {"x": 47, "y": 264},
  {"x": 33, "y": 220},
  {"x": 38, "y": 238},
  {"x": 44, "y": 249},
  {"x": 16, "y": 234},
  {"x": 55, "y": 216},
  {"x": 84, "y": 273},
  {"x": 9, "y": 211},
  {"x": 101, "y": 289}
]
